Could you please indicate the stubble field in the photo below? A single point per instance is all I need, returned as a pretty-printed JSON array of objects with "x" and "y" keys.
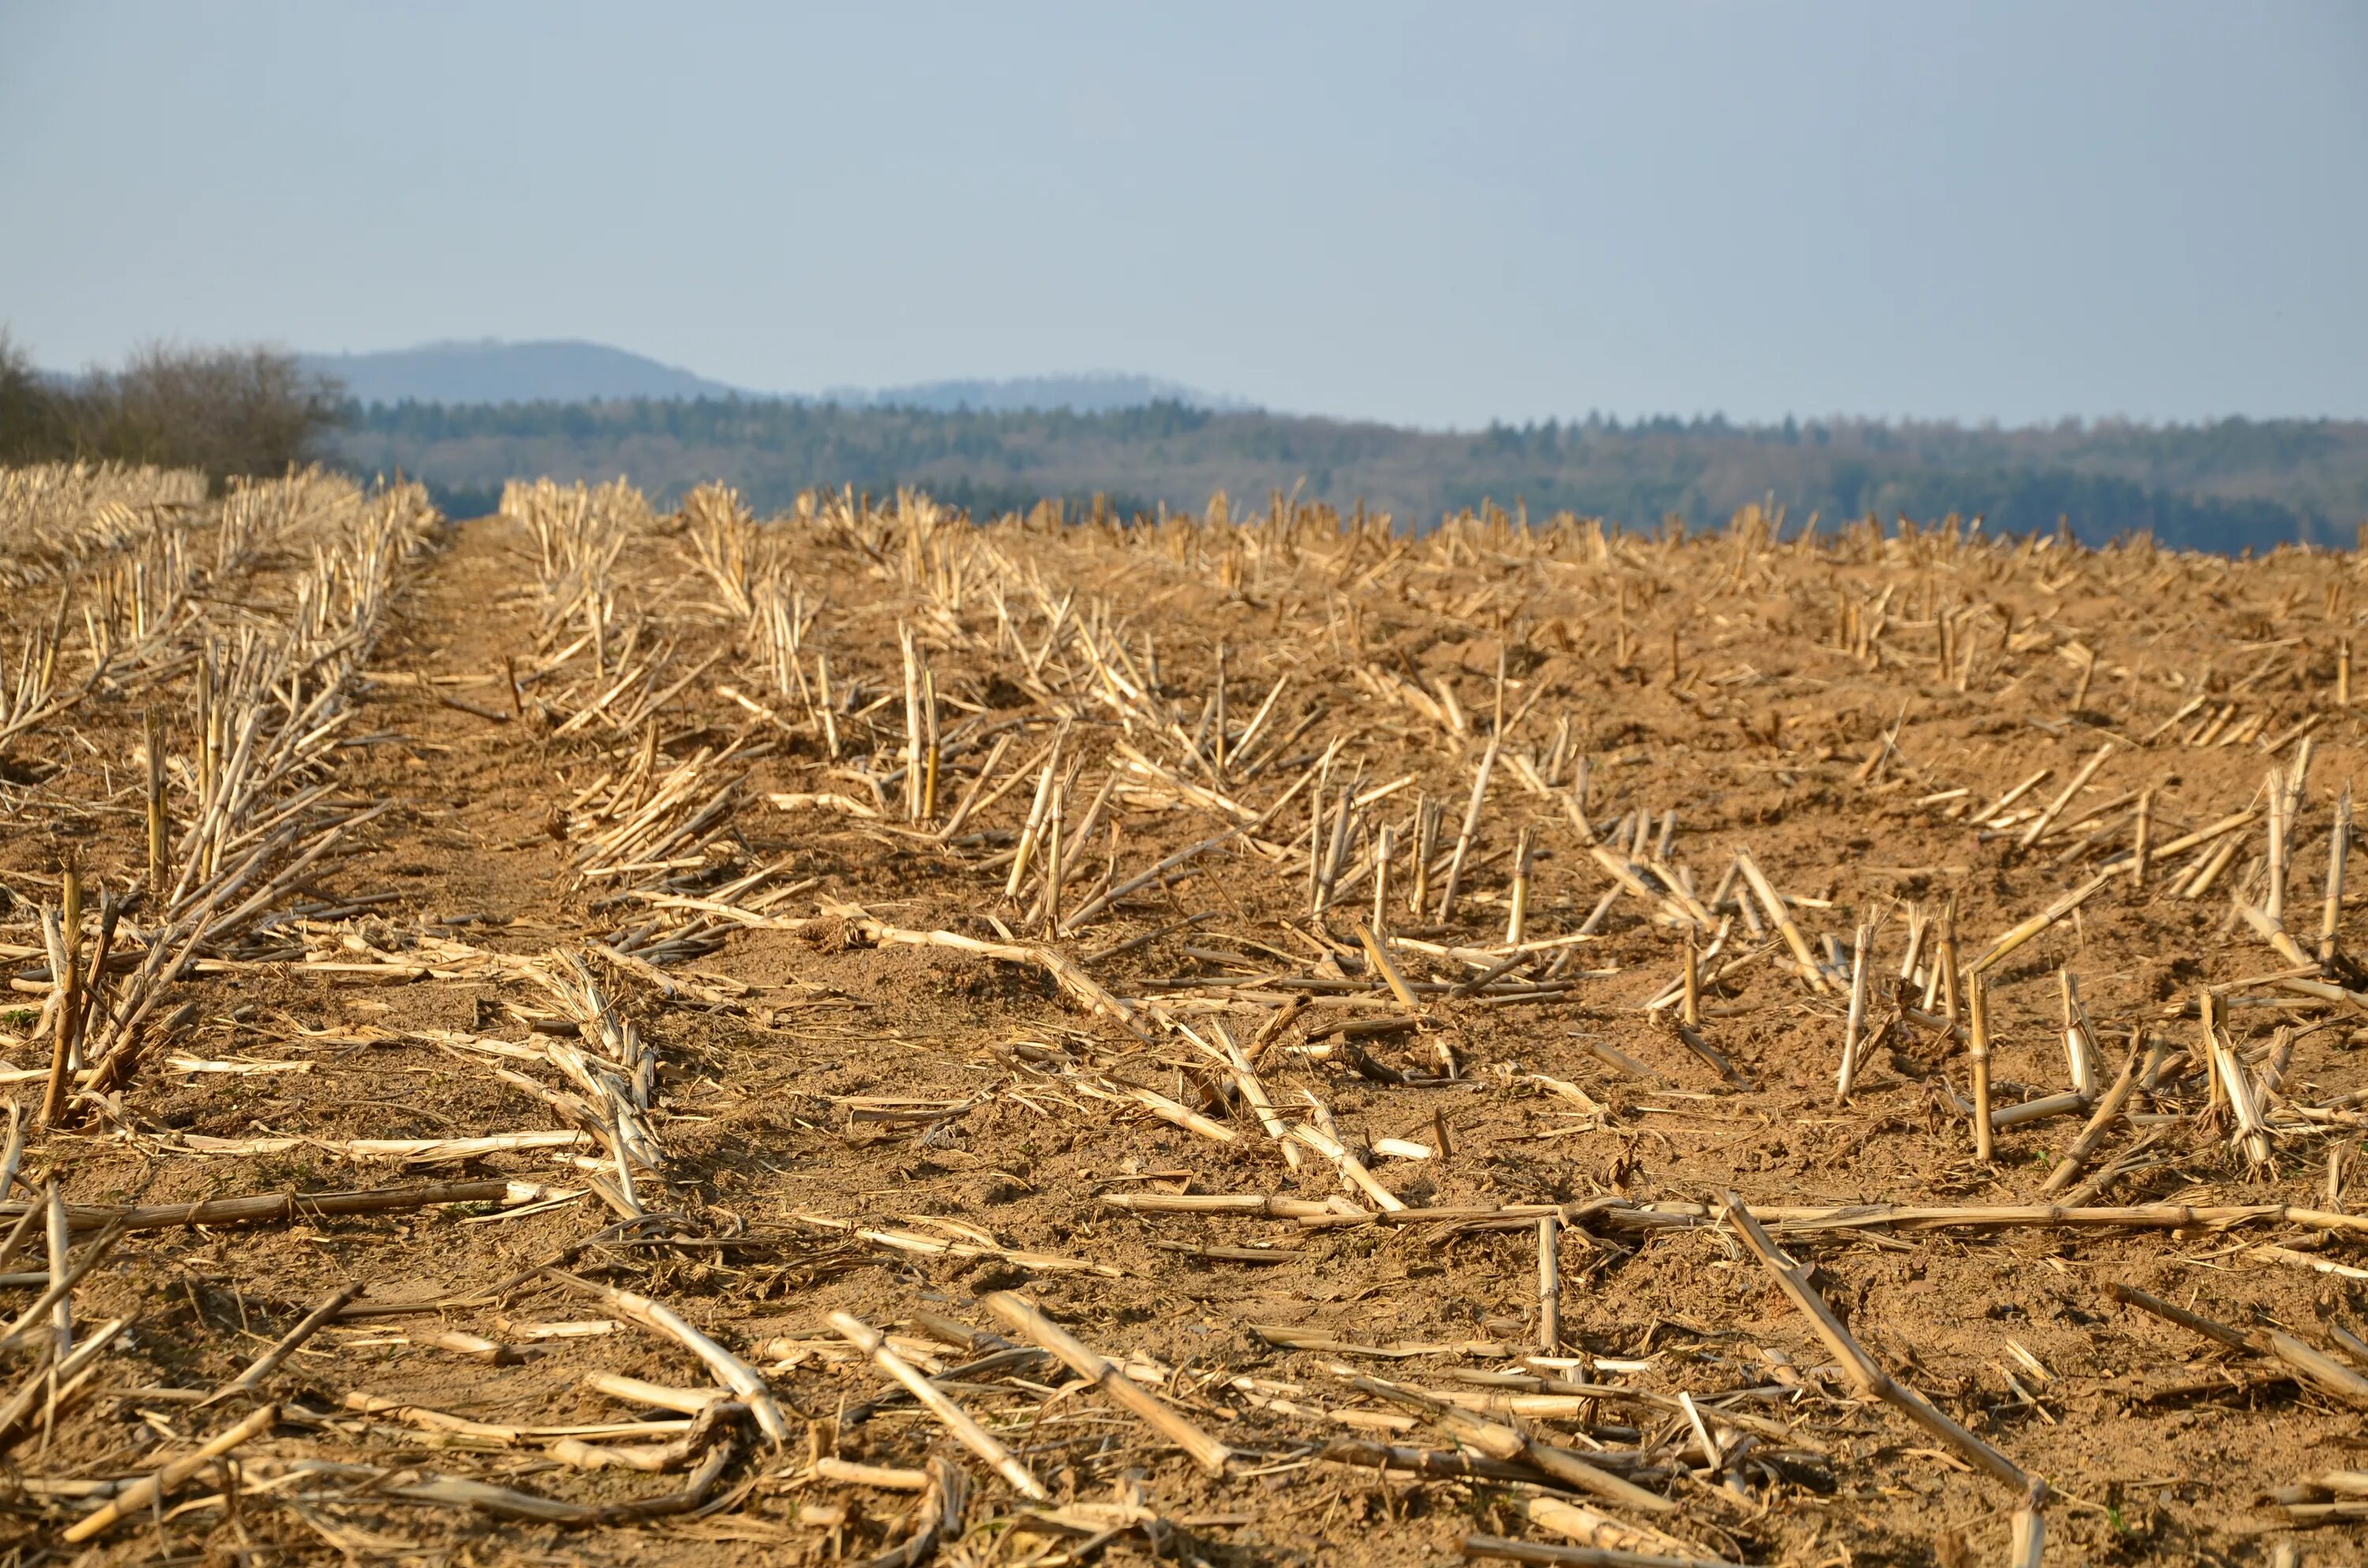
[{"x": 523, "y": 1032}]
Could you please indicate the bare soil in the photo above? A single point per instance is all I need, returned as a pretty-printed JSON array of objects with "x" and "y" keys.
[{"x": 834, "y": 1107}]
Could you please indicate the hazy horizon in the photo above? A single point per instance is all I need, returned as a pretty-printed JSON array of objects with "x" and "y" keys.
[
  {"x": 1408, "y": 213},
  {"x": 859, "y": 396}
]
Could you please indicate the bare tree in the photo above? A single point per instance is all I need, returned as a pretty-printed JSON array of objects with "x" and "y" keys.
[
  {"x": 228, "y": 411},
  {"x": 33, "y": 422}
]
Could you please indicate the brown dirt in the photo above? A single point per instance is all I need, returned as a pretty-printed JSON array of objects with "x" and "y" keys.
[{"x": 1758, "y": 742}]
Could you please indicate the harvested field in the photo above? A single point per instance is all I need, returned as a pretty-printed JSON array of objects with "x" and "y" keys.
[{"x": 597, "y": 1036}]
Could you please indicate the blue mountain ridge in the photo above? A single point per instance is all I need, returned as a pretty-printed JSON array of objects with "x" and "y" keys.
[{"x": 493, "y": 372}]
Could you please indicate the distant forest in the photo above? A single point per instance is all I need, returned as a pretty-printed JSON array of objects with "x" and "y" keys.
[{"x": 2231, "y": 485}]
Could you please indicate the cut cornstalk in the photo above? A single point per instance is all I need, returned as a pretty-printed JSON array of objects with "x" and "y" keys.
[
  {"x": 938, "y": 1403},
  {"x": 1023, "y": 1318}
]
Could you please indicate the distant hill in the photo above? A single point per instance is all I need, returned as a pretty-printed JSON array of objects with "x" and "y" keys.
[
  {"x": 1099, "y": 392},
  {"x": 491, "y": 371},
  {"x": 2229, "y": 485}
]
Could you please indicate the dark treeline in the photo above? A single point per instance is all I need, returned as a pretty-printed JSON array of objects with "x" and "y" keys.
[
  {"x": 224, "y": 411},
  {"x": 2229, "y": 485}
]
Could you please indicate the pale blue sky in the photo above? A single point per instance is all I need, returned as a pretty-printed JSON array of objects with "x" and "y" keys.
[{"x": 1430, "y": 213}]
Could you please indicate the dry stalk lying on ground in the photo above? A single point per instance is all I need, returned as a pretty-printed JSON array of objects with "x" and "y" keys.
[{"x": 1249, "y": 1034}]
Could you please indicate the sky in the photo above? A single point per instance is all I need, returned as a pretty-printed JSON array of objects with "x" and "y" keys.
[{"x": 1433, "y": 214}]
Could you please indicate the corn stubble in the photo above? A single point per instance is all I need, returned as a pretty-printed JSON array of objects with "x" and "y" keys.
[{"x": 916, "y": 1036}]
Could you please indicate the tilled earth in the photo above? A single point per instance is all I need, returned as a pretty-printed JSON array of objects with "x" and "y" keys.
[{"x": 646, "y": 876}]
